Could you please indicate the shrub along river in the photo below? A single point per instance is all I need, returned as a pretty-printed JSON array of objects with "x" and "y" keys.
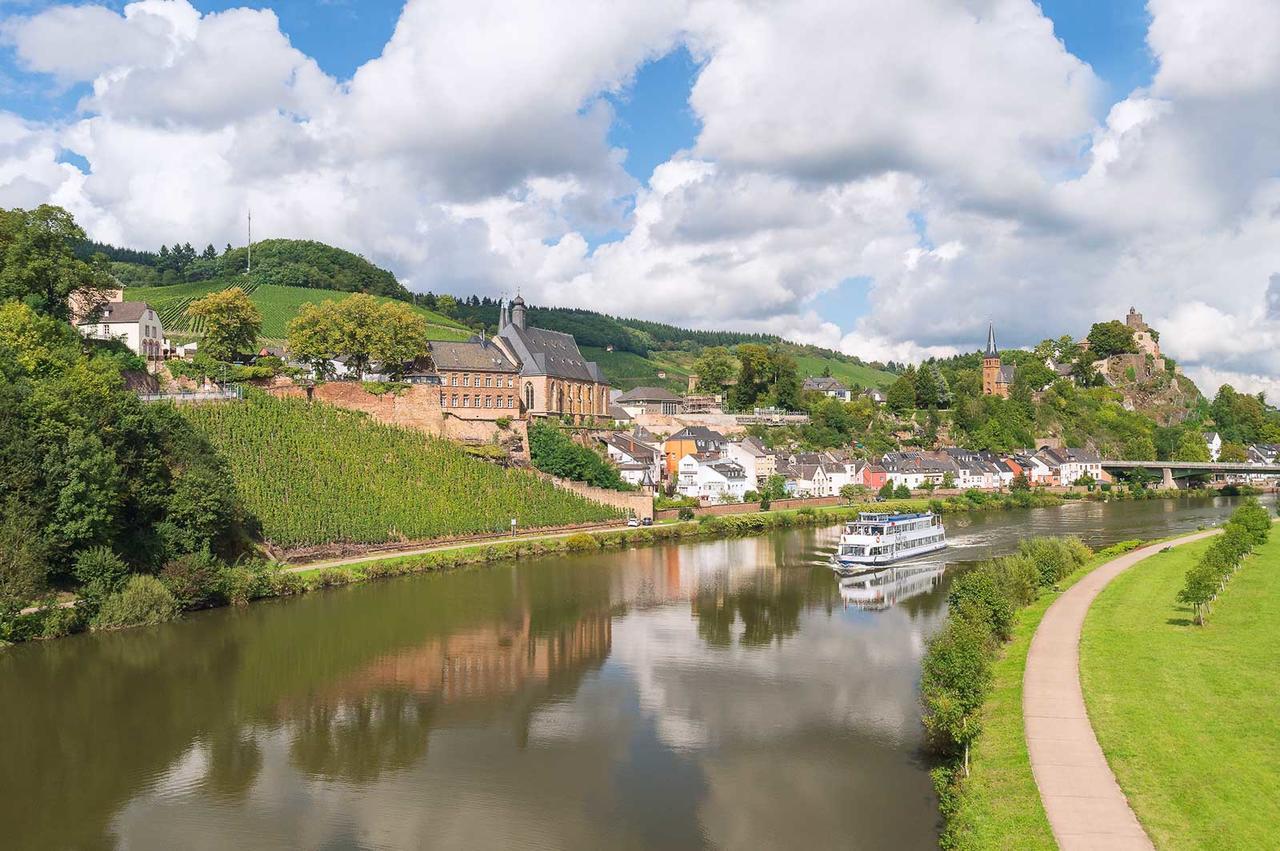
[{"x": 728, "y": 693}]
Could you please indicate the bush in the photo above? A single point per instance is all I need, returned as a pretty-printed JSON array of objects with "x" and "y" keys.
[
  {"x": 977, "y": 595},
  {"x": 685, "y": 513},
  {"x": 580, "y": 542},
  {"x": 144, "y": 601},
  {"x": 1055, "y": 557},
  {"x": 194, "y": 580},
  {"x": 61, "y": 621},
  {"x": 100, "y": 573},
  {"x": 329, "y": 577},
  {"x": 242, "y": 584},
  {"x": 902, "y": 491}
]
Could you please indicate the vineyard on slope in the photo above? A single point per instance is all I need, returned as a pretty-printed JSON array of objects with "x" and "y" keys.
[{"x": 316, "y": 474}]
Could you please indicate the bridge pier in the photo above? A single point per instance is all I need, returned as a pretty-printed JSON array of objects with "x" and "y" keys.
[{"x": 1168, "y": 482}]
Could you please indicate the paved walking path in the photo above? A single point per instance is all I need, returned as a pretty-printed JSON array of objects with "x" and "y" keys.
[{"x": 1085, "y": 806}]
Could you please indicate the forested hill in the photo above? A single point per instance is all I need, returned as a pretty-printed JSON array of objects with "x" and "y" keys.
[
  {"x": 279, "y": 262},
  {"x": 642, "y": 337}
]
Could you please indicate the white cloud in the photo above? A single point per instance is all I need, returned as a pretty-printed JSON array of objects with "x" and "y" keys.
[{"x": 946, "y": 151}]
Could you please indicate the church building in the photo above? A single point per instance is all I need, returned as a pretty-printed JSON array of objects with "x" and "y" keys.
[
  {"x": 555, "y": 379},
  {"x": 997, "y": 379}
]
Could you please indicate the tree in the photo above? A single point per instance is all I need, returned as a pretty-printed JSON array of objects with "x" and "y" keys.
[
  {"x": 1234, "y": 453},
  {"x": 1111, "y": 338},
  {"x": 231, "y": 323},
  {"x": 926, "y": 388},
  {"x": 715, "y": 368},
  {"x": 902, "y": 491},
  {"x": 38, "y": 265},
  {"x": 1020, "y": 483},
  {"x": 209, "y": 253},
  {"x": 1191, "y": 447},
  {"x": 775, "y": 487},
  {"x": 901, "y": 397},
  {"x": 948, "y": 480},
  {"x": 446, "y": 305},
  {"x": 886, "y": 490},
  {"x": 22, "y": 561},
  {"x": 399, "y": 336}
]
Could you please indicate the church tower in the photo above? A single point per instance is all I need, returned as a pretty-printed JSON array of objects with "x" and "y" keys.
[{"x": 994, "y": 381}]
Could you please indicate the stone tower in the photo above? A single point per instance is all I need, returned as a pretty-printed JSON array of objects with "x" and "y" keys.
[
  {"x": 517, "y": 312},
  {"x": 994, "y": 381}
]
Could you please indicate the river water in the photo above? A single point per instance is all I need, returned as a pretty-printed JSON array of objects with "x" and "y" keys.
[{"x": 729, "y": 693}]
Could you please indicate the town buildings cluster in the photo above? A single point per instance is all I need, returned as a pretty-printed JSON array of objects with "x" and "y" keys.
[{"x": 703, "y": 464}]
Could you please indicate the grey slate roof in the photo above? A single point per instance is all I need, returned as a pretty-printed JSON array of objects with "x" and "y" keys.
[
  {"x": 992, "y": 351},
  {"x": 122, "y": 311},
  {"x": 475, "y": 354},
  {"x": 647, "y": 394},
  {"x": 824, "y": 383},
  {"x": 543, "y": 352}
]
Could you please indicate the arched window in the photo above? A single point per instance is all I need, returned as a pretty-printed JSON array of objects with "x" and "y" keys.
[{"x": 528, "y": 395}]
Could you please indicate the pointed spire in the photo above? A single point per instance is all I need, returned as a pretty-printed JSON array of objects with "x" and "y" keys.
[{"x": 992, "y": 351}]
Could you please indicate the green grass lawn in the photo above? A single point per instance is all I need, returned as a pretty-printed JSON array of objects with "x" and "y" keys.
[
  {"x": 847, "y": 373},
  {"x": 1189, "y": 717},
  {"x": 1000, "y": 806},
  {"x": 278, "y": 306}
]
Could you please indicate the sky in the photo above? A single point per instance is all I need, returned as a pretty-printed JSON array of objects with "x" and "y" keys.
[{"x": 884, "y": 179}]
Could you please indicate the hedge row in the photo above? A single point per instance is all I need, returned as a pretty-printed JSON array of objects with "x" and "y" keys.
[
  {"x": 1249, "y": 526},
  {"x": 956, "y": 679}
]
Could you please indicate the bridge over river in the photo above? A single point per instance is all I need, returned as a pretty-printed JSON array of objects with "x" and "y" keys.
[{"x": 1170, "y": 471}]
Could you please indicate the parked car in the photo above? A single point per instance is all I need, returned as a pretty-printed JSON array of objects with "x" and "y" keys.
[
  {"x": 648, "y": 521},
  {"x": 632, "y": 521}
]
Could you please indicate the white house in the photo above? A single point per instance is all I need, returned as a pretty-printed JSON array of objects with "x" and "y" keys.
[
  {"x": 811, "y": 480},
  {"x": 712, "y": 479},
  {"x": 754, "y": 457},
  {"x": 135, "y": 323},
  {"x": 1213, "y": 441},
  {"x": 827, "y": 386},
  {"x": 638, "y": 462}
]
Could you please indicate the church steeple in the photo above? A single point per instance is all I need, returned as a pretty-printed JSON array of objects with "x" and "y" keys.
[{"x": 992, "y": 351}]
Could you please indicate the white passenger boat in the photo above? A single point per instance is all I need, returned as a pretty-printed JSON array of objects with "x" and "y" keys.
[{"x": 877, "y": 539}]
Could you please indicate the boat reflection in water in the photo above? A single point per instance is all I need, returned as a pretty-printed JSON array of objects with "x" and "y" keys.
[{"x": 882, "y": 588}]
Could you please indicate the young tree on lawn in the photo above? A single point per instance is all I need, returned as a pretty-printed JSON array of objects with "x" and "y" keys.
[
  {"x": 231, "y": 323},
  {"x": 886, "y": 490},
  {"x": 902, "y": 491}
]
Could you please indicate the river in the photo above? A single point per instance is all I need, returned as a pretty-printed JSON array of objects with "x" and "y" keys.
[{"x": 727, "y": 693}]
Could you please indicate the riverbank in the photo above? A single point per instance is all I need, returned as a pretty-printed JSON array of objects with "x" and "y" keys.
[
  {"x": 1186, "y": 714},
  {"x": 1000, "y": 804},
  {"x": 252, "y": 581}
]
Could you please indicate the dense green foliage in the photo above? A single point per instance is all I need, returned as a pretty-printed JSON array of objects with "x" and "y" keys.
[
  {"x": 84, "y": 464},
  {"x": 361, "y": 329},
  {"x": 1110, "y": 338},
  {"x": 315, "y": 474},
  {"x": 38, "y": 264},
  {"x": 554, "y": 452},
  {"x": 278, "y": 262},
  {"x": 1249, "y": 526},
  {"x": 957, "y": 670},
  {"x": 144, "y": 601}
]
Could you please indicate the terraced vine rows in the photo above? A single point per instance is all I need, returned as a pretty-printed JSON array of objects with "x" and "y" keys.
[{"x": 315, "y": 474}]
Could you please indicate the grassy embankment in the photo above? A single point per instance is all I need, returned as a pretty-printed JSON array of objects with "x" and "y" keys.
[
  {"x": 277, "y": 304},
  {"x": 1187, "y": 714},
  {"x": 999, "y": 805}
]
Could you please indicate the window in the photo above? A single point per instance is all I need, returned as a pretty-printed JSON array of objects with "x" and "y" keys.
[
  {"x": 466, "y": 381},
  {"x": 444, "y": 400},
  {"x": 488, "y": 401},
  {"x": 466, "y": 400},
  {"x": 528, "y": 395},
  {"x": 488, "y": 381},
  {"x": 453, "y": 380},
  {"x": 511, "y": 382},
  {"x": 455, "y": 401}
]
